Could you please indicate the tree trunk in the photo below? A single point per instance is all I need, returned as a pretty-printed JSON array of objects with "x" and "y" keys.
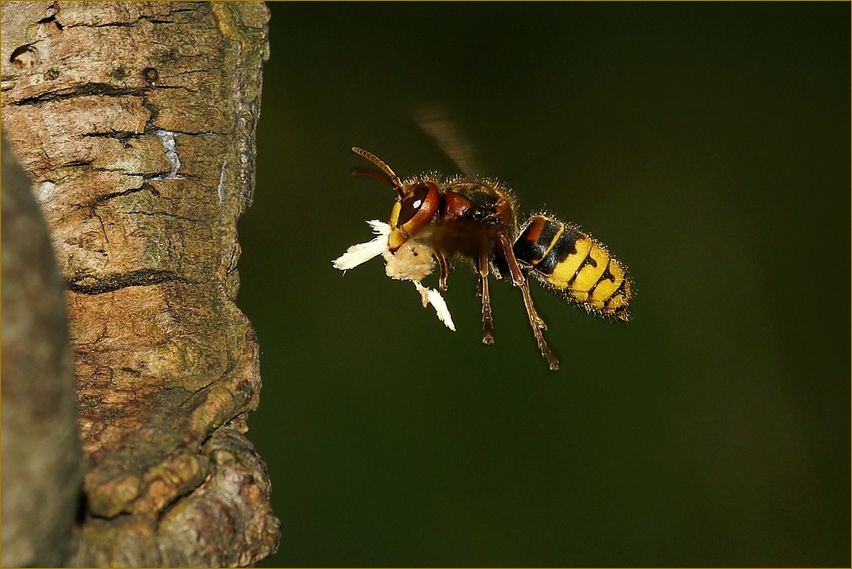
[{"x": 135, "y": 123}]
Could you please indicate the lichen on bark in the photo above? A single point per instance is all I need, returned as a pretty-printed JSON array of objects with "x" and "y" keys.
[{"x": 135, "y": 123}]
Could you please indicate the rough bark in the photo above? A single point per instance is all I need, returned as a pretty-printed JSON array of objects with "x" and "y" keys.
[{"x": 135, "y": 123}]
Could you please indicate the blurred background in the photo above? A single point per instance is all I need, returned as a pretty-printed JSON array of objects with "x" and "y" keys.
[{"x": 706, "y": 144}]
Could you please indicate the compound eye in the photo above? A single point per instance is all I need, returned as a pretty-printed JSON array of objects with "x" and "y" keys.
[{"x": 412, "y": 203}]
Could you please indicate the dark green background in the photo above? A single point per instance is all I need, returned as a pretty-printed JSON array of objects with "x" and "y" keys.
[{"x": 708, "y": 145}]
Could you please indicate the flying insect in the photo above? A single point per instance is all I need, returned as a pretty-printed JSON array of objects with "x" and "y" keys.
[{"x": 436, "y": 219}]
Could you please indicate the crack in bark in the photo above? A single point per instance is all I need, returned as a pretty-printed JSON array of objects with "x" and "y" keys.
[
  {"x": 75, "y": 163},
  {"x": 142, "y": 18},
  {"x": 166, "y": 214},
  {"x": 85, "y": 90},
  {"x": 117, "y": 134},
  {"x": 112, "y": 283},
  {"x": 100, "y": 199}
]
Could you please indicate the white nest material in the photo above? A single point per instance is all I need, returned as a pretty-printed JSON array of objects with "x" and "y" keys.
[{"x": 411, "y": 262}]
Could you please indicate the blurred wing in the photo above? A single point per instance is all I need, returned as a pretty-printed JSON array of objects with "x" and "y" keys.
[{"x": 434, "y": 119}]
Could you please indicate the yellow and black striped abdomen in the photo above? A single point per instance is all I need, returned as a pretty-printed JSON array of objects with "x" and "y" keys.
[{"x": 572, "y": 261}]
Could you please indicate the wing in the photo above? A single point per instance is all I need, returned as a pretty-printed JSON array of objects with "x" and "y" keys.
[{"x": 434, "y": 119}]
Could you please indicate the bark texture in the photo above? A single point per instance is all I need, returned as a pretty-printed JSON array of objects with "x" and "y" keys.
[{"x": 135, "y": 123}]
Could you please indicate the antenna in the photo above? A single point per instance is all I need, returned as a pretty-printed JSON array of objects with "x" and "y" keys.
[{"x": 390, "y": 177}]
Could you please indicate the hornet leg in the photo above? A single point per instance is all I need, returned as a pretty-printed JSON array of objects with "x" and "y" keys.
[
  {"x": 487, "y": 319},
  {"x": 518, "y": 279}
]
